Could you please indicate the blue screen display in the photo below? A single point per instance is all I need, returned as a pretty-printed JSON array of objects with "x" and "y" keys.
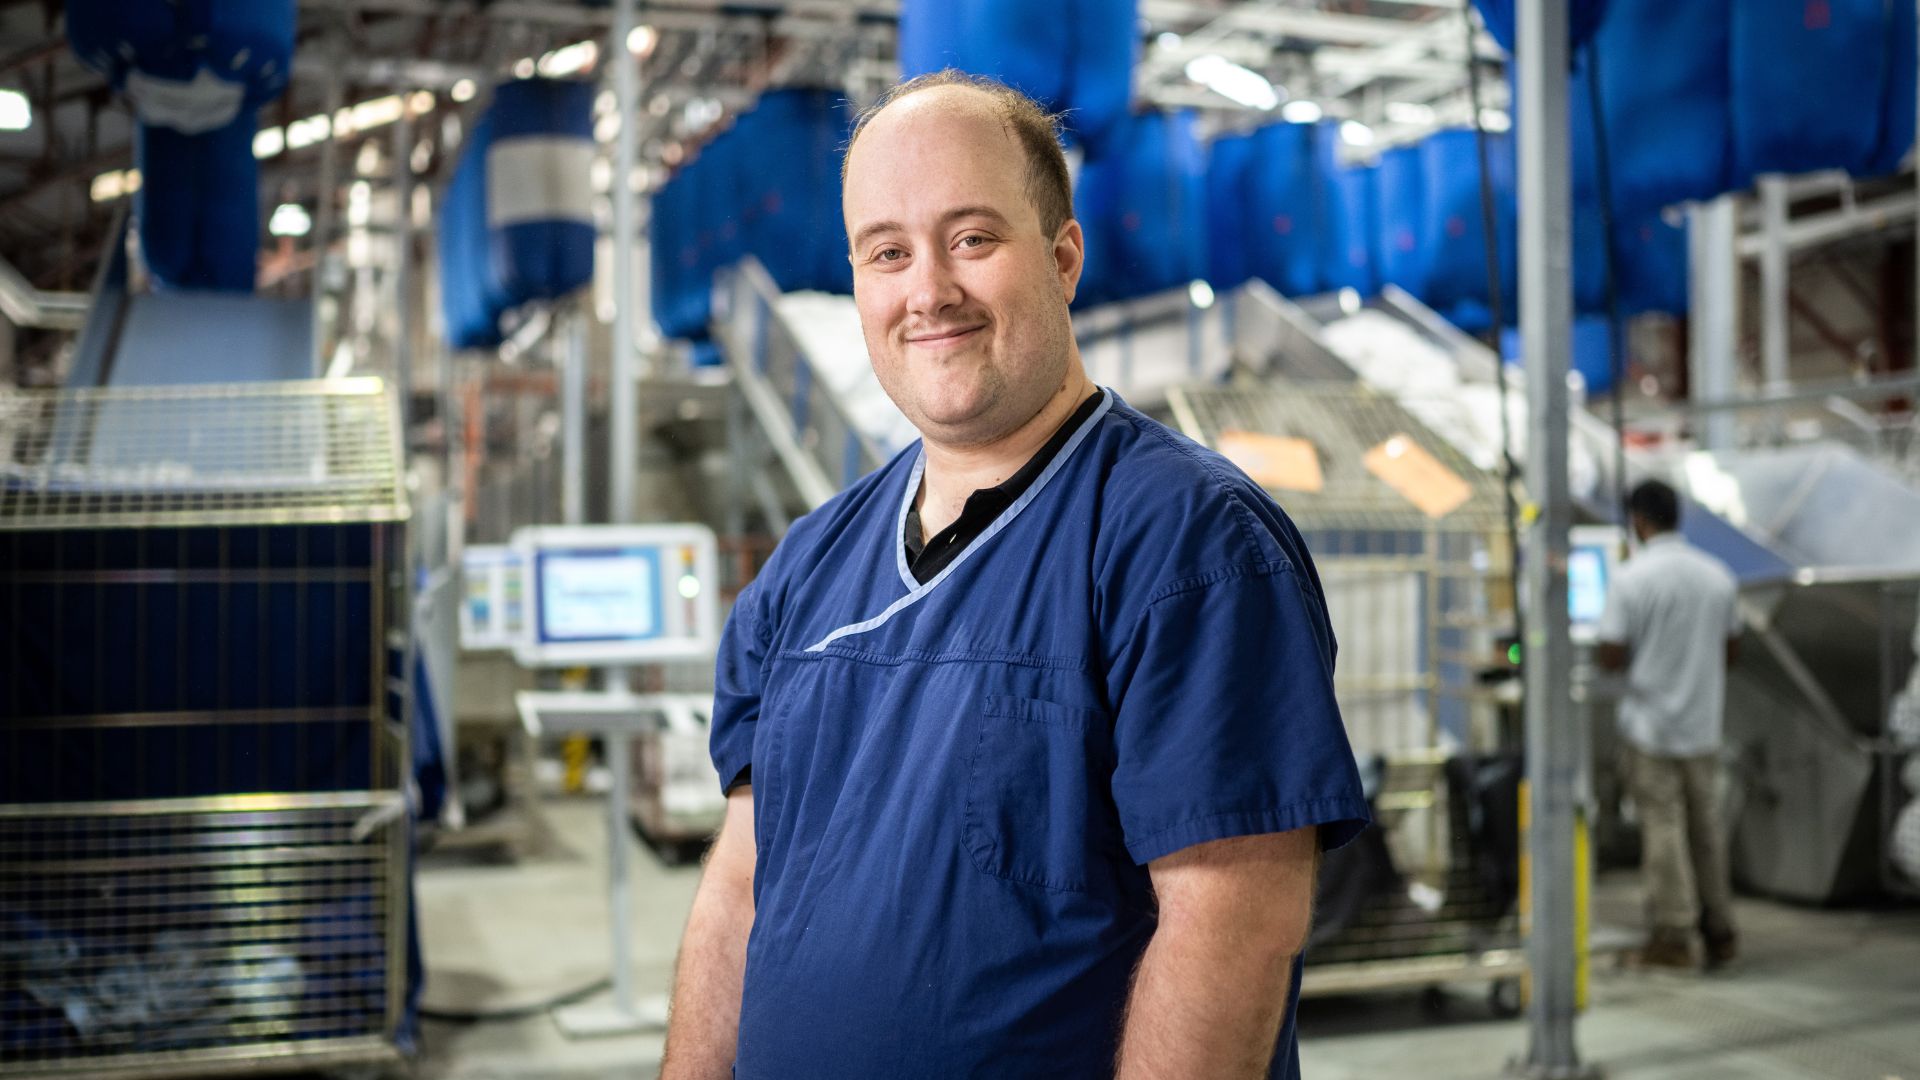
[{"x": 607, "y": 594}]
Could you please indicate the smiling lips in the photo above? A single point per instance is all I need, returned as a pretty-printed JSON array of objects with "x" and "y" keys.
[{"x": 945, "y": 339}]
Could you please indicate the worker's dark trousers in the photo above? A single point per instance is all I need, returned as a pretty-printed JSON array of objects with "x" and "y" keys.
[{"x": 1684, "y": 849}]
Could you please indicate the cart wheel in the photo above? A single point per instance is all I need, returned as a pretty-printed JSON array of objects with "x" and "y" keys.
[
  {"x": 1434, "y": 1001},
  {"x": 1503, "y": 997}
]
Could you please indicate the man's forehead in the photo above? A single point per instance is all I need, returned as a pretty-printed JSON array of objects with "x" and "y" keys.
[
  {"x": 934, "y": 116},
  {"x": 957, "y": 149}
]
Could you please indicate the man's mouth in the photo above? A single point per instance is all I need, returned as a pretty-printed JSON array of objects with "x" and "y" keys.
[{"x": 944, "y": 339}]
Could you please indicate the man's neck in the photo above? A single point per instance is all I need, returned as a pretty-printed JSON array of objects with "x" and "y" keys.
[{"x": 955, "y": 472}]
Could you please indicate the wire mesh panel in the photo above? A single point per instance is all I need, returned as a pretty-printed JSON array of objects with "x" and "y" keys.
[
  {"x": 246, "y": 453},
  {"x": 203, "y": 835},
  {"x": 216, "y": 928}
]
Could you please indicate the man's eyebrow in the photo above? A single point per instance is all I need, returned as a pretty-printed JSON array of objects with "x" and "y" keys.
[
  {"x": 869, "y": 231},
  {"x": 974, "y": 211},
  {"x": 873, "y": 229}
]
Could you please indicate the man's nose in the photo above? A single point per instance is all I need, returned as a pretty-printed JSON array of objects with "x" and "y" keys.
[{"x": 933, "y": 289}]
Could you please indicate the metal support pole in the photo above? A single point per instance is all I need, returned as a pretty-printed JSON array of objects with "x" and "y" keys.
[
  {"x": 1714, "y": 284},
  {"x": 573, "y": 419},
  {"x": 1774, "y": 268},
  {"x": 403, "y": 269},
  {"x": 619, "y": 746},
  {"x": 623, "y": 370},
  {"x": 1546, "y": 331},
  {"x": 624, "y": 405},
  {"x": 623, "y": 1012},
  {"x": 323, "y": 215}
]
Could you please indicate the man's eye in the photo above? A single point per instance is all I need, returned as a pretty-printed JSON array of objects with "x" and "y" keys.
[
  {"x": 972, "y": 241},
  {"x": 889, "y": 255}
]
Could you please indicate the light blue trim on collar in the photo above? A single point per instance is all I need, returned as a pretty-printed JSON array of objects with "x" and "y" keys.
[
  {"x": 917, "y": 590},
  {"x": 900, "y": 526}
]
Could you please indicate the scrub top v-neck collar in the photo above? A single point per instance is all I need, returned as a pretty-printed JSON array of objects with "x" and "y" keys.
[
  {"x": 915, "y": 589},
  {"x": 925, "y": 559}
]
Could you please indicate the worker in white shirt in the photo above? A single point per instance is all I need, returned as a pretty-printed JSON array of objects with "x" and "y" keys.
[{"x": 1671, "y": 623}]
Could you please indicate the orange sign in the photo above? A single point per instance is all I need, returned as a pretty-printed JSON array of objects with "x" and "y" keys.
[
  {"x": 1275, "y": 461},
  {"x": 1419, "y": 477}
]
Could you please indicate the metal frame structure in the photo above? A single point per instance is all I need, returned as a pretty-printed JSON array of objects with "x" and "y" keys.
[
  {"x": 1412, "y": 699},
  {"x": 224, "y": 885},
  {"x": 797, "y": 415}
]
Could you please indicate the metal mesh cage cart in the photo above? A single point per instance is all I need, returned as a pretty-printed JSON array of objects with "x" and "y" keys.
[
  {"x": 204, "y": 843},
  {"x": 1419, "y": 602}
]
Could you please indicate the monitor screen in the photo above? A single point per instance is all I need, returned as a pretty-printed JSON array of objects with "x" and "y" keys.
[
  {"x": 1586, "y": 583},
  {"x": 618, "y": 594},
  {"x": 608, "y": 594}
]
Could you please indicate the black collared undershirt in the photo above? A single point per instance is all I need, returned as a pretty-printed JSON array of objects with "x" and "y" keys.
[{"x": 984, "y": 505}]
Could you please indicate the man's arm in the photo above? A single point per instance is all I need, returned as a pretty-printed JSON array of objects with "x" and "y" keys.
[
  {"x": 1211, "y": 991},
  {"x": 703, "y": 1026}
]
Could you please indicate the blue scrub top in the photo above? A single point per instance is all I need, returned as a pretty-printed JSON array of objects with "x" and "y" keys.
[{"x": 958, "y": 785}]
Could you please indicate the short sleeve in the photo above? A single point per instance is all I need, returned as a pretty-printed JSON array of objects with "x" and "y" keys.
[
  {"x": 1615, "y": 621},
  {"x": 1225, "y": 719},
  {"x": 737, "y": 682}
]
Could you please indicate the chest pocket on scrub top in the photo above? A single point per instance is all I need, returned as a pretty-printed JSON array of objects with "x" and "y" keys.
[{"x": 1038, "y": 810}]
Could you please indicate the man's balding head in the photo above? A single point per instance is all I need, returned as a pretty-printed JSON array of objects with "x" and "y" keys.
[{"x": 1032, "y": 129}]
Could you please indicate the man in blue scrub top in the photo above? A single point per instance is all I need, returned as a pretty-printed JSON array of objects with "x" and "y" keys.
[{"x": 1029, "y": 737}]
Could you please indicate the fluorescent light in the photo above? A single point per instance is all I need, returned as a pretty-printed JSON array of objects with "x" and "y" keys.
[
  {"x": 290, "y": 219},
  {"x": 1300, "y": 112},
  {"x": 569, "y": 59},
  {"x": 523, "y": 68},
  {"x": 108, "y": 186},
  {"x": 421, "y": 101},
  {"x": 1168, "y": 40},
  {"x": 1409, "y": 112},
  {"x": 1355, "y": 133},
  {"x": 304, "y": 133},
  {"x": 1240, "y": 85},
  {"x": 269, "y": 142},
  {"x": 1495, "y": 120},
  {"x": 464, "y": 90},
  {"x": 1200, "y": 294},
  {"x": 641, "y": 40},
  {"x": 16, "y": 112}
]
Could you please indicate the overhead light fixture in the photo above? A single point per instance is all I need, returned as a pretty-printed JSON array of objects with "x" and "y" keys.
[
  {"x": 464, "y": 90},
  {"x": 569, "y": 59},
  {"x": 1301, "y": 112},
  {"x": 269, "y": 142},
  {"x": 523, "y": 68},
  {"x": 1200, "y": 294},
  {"x": 641, "y": 40},
  {"x": 290, "y": 219},
  {"x": 1237, "y": 84},
  {"x": 420, "y": 102},
  {"x": 16, "y": 112},
  {"x": 1496, "y": 120},
  {"x": 1355, "y": 133},
  {"x": 109, "y": 186},
  {"x": 1168, "y": 40},
  {"x": 1409, "y": 112}
]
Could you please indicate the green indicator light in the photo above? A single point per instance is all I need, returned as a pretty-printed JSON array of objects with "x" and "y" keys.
[{"x": 1513, "y": 653}]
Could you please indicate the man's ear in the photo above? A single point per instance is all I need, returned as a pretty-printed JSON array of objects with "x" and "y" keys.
[{"x": 1070, "y": 256}]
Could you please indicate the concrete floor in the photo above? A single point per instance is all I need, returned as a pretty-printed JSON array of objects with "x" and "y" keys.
[{"x": 1817, "y": 994}]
